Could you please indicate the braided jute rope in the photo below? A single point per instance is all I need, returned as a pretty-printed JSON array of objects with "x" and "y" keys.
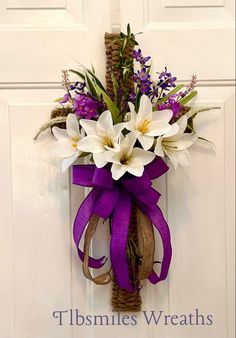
[
  {"x": 112, "y": 44},
  {"x": 122, "y": 300}
]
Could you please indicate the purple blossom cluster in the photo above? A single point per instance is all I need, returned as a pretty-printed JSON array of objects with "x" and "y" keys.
[
  {"x": 137, "y": 55},
  {"x": 172, "y": 104},
  {"x": 142, "y": 77},
  {"x": 143, "y": 80},
  {"x": 78, "y": 86},
  {"x": 166, "y": 80},
  {"x": 86, "y": 106}
]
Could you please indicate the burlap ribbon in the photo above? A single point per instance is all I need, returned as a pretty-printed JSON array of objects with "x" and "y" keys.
[{"x": 145, "y": 229}]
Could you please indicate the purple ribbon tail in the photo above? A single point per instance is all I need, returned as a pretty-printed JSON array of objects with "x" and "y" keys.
[{"x": 119, "y": 237}]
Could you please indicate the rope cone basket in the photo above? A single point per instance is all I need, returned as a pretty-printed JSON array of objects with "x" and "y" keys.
[{"x": 122, "y": 300}]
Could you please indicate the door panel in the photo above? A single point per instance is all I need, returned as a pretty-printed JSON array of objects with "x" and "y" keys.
[
  {"x": 38, "y": 39},
  {"x": 197, "y": 36},
  {"x": 40, "y": 270},
  {"x": 65, "y": 30}
]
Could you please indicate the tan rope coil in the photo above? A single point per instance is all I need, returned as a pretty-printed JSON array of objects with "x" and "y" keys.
[{"x": 122, "y": 300}]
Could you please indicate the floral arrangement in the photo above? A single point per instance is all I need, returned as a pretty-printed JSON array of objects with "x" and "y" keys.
[{"x": 126, "y": 137}]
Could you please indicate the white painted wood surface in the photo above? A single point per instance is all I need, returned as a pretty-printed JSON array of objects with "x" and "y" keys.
[
  {"x": 39, "y": 268},
  {"x": 190, "y": 36}
]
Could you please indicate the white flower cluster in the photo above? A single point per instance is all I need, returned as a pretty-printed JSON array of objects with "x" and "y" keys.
[{"x": 115, "y": 144}]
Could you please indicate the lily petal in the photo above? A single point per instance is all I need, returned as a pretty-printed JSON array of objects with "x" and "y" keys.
[
  {"x": 146, "y": 141},
  {"x": 131, "y": 107},
  {"x": 100, "y": 159},
  {"x": 117, "y": 171},
  {"x": 145, "y": 109},
  {"x": 59, "y": 133},
  {"x": 128, "y": 143},
  {"x": 130, "y": 125},
  {"x": 72, "y": 126},
  {"x": 162, "y": 115},
  {"x": 184, "y": 158},
  {"x": 158, "y": 148},
  {"x": 185, "y": 141},
  {"x": 63, "y": 148},
  {"x": 157, "y": 128},
  {"x": 89, "y": 126},
  {"x": 173, "y": 158},
  {"x": 112, "y": 157},
  {"x": 182, "y": 122},
  {"x": 142, "y": 156},
  {"x": 134, "y": 167},
  {"x": 173, "y": 130},
  {"x": 117, "y": 128},
  {"x": 104, "y": 122},
  {"x": 91, "y": 144},
  {"x": 67, "y": 162}
]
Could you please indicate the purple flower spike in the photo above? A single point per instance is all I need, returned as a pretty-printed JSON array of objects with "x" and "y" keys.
[
  {"x": 137, "y": 55},
  {"x": 85, "y": 106},
  {"x": 79, "y": 86},
  {"x": 142, "y": 78},
  {"x": 166, "y": 80}
]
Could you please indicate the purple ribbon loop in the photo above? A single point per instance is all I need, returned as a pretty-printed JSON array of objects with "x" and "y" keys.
[{"x": 110, "y": 198}]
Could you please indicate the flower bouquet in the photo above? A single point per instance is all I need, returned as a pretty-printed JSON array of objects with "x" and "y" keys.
[{"x": 125, "y": 132}]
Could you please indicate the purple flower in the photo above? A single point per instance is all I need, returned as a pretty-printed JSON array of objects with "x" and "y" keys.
[
  {"x": 172, "y": 104},
  {"x": 86, "y": 106},
  {"x": 132, "y": 96},
  {"x": 78, "y": 85},
  {"x": 142, "y": 78},
  {"x": 166, "y": 80},
  {"x": 137, "y": 55},
  {"x": 175, "y": 106},
  {"x": 161, "y": 106},
  {"x": 66, "y": 98}
]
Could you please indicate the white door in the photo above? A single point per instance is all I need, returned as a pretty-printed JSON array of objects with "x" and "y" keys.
[
  {"x": 38, "y": 39},
  {"x": 40, "y": 271},
  {"x": 197, "y": 37}
]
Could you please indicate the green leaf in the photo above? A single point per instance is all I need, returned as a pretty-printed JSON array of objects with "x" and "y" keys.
[
  {"x": 96, "y": 80},
  {"x": 90, "y": 85},
  {"x": 137, "y": 102},
  {"x": 59, "y": 99},
  {"x": 110, "y": 105},
  {"x": 187, "y": 98},
  {"x": 81, "y": 75},
  {"x": 115, "y": 86},
  {"x": 174, "y": 91},
  {"x": 92, "y": 69},
  {"x": 125, "y": 43},
  {"x": 128, "y": 29}
]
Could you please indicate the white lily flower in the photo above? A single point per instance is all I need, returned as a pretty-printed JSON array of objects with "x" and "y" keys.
[
  {"x": 129, "y": 159},
  {"x": 174, "y": 144},
  {"x": 101, "y": 137},
  {"x": 146, "y": 124},
  {"x": 67, "y": 142}
]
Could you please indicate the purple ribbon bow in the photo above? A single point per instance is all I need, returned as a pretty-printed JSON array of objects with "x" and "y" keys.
[{"x": 110, "y": 198}]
